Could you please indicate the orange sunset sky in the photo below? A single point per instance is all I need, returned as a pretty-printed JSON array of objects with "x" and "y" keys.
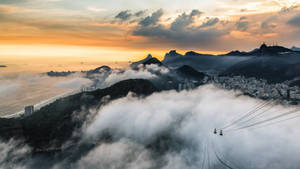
[{"x": 123, "y": 30}]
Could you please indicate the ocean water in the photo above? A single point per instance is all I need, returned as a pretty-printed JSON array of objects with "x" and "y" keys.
[{"x": 23, "y": 84}]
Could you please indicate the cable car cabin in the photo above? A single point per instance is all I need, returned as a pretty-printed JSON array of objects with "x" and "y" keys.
[
  {"x": 221, "y": 133},
  {"x": 215, "y": 131}
]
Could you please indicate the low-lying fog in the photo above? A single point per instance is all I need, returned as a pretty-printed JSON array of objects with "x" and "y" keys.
[
  {"x": 25, "y": 89},
  {"x": 180, "y": 125}
]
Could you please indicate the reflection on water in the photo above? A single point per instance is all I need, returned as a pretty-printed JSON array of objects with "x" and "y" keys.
[
  {"x": 46, "y": 66},
  {"x": 23, "y": 90}
]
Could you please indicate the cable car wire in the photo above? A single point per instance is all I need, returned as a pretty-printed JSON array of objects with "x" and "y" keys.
[
  {"x": 267, "y": 120},
  {"x": 257, "y": 115},
  {"x": 276, "y": 122},
  {"x": 249, "y": 113}
]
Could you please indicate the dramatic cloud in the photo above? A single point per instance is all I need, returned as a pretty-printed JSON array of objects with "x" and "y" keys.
[
  {"x": 210, "y": 22},
  {"x": 182, "y": 31},
  {"x": 184, "y": 20},
  {"x": 295, "y": 21},
  {"x": 124, "y": 15},
  {"x": 71, "y": 24},
  {"x": 288, "y": 9},
  {"x": 269, "y": 24},
  {"x": 153, "y": 19},
  {"x": 242, "y": 24},
  {"x": 139, "y": 13}
]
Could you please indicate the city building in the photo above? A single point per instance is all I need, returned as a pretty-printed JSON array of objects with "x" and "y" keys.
[{"x": 28, "y": 110}]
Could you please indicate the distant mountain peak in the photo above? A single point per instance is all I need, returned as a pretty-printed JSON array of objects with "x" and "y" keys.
[
  {"x": 294, "y": 48},
  {"x": 100, "y": 69},
  {"x": 173, "y": 53},
  {"x": 272, "y": 50},
  {"x": 263, "y": 46},
  {"x": 149, "y": 56},
  {"x": 152, "y": 61},
  {"x": 171, "y": 56},
  {"x": 103, "y": 68},
  {"x": 263, "y": 50},
  {"x": 147, "y": 61},
  {"x": 192, "y": 53},
  {"x": 237, "y": 53}
]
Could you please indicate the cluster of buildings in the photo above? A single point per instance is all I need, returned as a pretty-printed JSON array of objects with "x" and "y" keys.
[
  {"x": 258, "y": 88},
  {"x": 187, "y": 85},
  {"x": 88, "y": 89}
]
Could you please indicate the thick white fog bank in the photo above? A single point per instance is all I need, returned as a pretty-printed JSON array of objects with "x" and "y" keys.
[
  {"x": 174, "y": 130},
  {"x": 11, "y": 152},
  {"x": 190, "y": 117},
  {"x": 144, "y": 72},
  {"x": 74, "y": 83}
]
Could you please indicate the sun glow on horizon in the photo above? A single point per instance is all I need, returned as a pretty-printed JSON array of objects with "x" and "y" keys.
[{"x": 61, "y": 32}]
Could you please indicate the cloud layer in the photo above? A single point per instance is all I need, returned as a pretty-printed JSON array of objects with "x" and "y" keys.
[
  {"x": 29, "y": 89},
  {"x": 175, "y": 130},
  {"x": 189, "y": 118},
  {"x": 217, "y": 27}
]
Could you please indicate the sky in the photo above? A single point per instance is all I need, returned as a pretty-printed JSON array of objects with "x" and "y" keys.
[{"x": 123, "y": 30}]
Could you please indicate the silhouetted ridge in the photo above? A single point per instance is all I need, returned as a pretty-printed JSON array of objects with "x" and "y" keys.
[
  {"x": 173, "y": 52},
  {"x": 190, "y": 72},
  {"x": 263, "y": 50},
  {"x": 192, "y": 53},
  {"x": 272, "y": 69},
  {"x": 238, "y": 53},
  {"x": 152, "y": 61},
  {"x": 101, "y": 69},
  {"x": 147, "y": 61}
]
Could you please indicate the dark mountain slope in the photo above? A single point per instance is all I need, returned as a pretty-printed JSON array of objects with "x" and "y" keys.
[
  {"x": 273, "y": 69},
  {"x": 201, "y": 62},
  {"x": 190, "y": 73},
  {"x": 152, "y": 61},
  {"x": 146, "y": 61},
  {"x": 264, "y": 50}
]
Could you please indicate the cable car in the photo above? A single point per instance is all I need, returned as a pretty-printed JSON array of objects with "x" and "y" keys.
[
  {"x": 215, "y": 131},
  {"x": 221, "y": 133}
]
